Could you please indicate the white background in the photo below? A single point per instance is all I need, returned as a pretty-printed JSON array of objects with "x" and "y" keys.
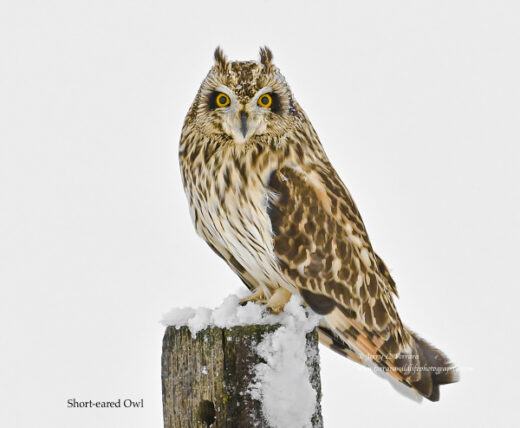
[{"x": 417, "y": 104}]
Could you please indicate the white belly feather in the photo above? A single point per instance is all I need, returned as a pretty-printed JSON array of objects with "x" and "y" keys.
[{"x": 237, "y": 223}]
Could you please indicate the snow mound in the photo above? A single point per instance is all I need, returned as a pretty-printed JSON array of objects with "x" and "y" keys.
[
  {"x": 229, "y": 314},
  {"x": 282, "y": 382}
]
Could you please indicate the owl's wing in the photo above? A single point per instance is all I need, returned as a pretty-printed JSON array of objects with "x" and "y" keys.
[{"x": 322, "y": 246}]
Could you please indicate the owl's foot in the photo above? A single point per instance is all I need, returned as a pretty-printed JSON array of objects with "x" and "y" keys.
[
  {"x": 257, "y": 296},
  {"x": 278, "y": 300}
]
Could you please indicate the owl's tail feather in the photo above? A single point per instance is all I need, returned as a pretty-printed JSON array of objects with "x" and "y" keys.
[
  {"x": 419, "y": 366},
  {"x": 433, "y": 369}
]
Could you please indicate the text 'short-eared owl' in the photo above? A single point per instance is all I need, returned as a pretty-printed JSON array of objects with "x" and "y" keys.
[{"x": 265, "y": 198}]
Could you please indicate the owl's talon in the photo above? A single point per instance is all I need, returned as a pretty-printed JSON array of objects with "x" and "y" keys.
[
  {"x": 257, "y": 296},
  {"x": 278, "y": 300}
]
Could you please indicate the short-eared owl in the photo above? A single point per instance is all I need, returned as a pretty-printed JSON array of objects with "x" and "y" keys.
[{"x": 264, "y": 196}]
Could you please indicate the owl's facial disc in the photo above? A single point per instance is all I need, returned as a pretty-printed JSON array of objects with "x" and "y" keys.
[{"x": 242, "y": 119}]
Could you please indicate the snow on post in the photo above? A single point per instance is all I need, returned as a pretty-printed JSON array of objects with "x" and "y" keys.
[{"x": 240, "y": 366}]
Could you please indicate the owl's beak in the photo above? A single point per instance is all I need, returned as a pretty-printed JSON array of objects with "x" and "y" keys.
[{"x": 243, "y": 123}]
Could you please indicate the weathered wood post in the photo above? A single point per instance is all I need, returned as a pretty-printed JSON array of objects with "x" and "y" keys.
[{"x": 205, "y": 379}]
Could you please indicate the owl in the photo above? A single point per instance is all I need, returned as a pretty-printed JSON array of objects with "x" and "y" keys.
[{"x": 264, "y": 196}]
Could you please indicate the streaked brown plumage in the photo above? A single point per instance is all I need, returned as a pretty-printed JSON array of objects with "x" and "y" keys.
[{"x": 265, "y": 197}]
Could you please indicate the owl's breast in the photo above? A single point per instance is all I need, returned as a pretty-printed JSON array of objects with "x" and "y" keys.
[{"x": 228, "y": 198}]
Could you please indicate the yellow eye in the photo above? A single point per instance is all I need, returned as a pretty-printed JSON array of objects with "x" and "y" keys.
[
  {"x": 222, "y": 100},
  {"x": 265, "y": 100}
]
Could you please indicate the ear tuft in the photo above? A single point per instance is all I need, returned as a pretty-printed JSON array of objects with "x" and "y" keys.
[
  {"x": 220, "y": 59},
  {"x": 266, "y": 57}
]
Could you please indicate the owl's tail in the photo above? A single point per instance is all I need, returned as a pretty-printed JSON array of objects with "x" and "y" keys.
[
  {"x": 432, "y": 369},
  {"x": 423, "y": 370}
]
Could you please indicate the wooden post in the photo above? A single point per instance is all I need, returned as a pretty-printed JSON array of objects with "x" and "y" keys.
[{"x": 205, "y": 379}]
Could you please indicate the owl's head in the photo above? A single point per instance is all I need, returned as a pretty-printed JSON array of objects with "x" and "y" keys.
[{"x": 244, "y": 100}]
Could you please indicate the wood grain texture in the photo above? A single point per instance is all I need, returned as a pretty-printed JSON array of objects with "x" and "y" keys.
[{"x": 205, "y": 378}]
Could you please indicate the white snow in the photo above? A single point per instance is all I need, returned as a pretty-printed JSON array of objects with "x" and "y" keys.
[
  {"x": 281, "y": 383},
  {"x": 229, "y": 314}
]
